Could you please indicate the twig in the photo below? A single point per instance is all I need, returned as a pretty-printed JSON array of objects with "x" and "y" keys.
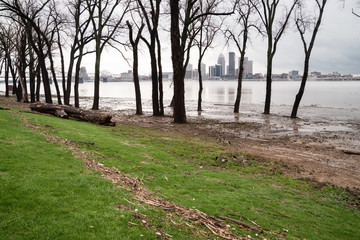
[
  {"x": 245, "y": 225},
  {"x": 87, "y": 143}
]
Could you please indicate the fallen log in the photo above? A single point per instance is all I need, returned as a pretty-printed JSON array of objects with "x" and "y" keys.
[{"x": 64, "y": 111}]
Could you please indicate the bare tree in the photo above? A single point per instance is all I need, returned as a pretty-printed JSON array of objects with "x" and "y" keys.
[
  {"x": 205, "y": 30},
  {"x": 181, "y": 43},
  {"x": 239, "y": 34},
  {"x": 151, "y": 14},
  {"x": 105, "y": 26},
  {"x": 7, "y": 34},
  {"x": 79, "y": 35},
  {"x": 28, "y": 13},
  {"x": 303, "y": 23},
  {"x": 275, "y": 25},
  {"x": 134, "y": 44}
]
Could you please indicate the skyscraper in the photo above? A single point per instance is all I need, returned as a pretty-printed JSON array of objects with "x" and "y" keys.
[
  {"x": 218, "y": 70},
  {"x": 221, "y": 61},
  {"x": 248, "y": 67},
  {"x": 203, "y": 69},
  {"x": 231, "y": 64}
]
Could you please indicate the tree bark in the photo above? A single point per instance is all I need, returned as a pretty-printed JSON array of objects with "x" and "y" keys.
[
  {"x": 77, "y": 78},
  {"x": 24, "y": 97},
  {"x": 268, "y": 77},
  {"x": 177, "y": 61},
  {"x": 7, "y": 68},
  {"x": 199, "y": 108},
  {"x": 240, "y": 80},
  {"x": 161, "y": 91}
]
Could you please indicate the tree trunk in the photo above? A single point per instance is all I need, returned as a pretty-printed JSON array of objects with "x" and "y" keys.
[
  {"x": 161, "y": 91},
  {"x": 63, "y": 70},
  {"x": 240, "y": 79},
  {"x": 32, "y": 74},
  {"x": 97, "y": 80},
  {"x": 177, "y": 60},
  {"x": 199, "y": 108},
  {"x": 52, "y": 68},
  {"x": 155, "y": 83},
  {"x": 38, "y": 83},
  {"x": 7, "y": 68},
  {"x": 77, "y": 78},
  {"x": 13, "y": 75},
  {"x": 268, "y": 78},
  {"x": 24, "y": 98},
  {"x": 136, "y": 81},
  {"x": 67, "y": 93},
  {"x": 302, "y": 87}
]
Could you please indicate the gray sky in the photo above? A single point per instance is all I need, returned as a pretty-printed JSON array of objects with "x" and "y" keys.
[{"x": 337, "y": 48}]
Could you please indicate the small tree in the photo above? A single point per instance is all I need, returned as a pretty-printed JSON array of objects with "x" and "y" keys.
[
  {"x": 239, "y": 34},
  {"x": 134, "y": 44},
  {"x": 303, "y": 23},
  {"x": 205, "y": 32}
]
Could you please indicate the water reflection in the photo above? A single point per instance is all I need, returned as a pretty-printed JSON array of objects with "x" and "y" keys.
[{"x": 323, "y": 94}]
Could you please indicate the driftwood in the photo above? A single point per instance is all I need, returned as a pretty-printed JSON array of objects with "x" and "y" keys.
[{"x": 64, "y": 111}]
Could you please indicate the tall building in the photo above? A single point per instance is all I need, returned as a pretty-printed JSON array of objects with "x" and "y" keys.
[
  {"x": 218, "y": 70},
  {"x": 211, "y": 71},
  {"x": 248, "y": 67},
  {"x": 221, "y": 61},
  {"x": 231, "y": 64},
  {"x": 203, "y": 69}
]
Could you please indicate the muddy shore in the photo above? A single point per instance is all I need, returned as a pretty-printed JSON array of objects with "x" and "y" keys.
[{"x": 322, "y": 144}]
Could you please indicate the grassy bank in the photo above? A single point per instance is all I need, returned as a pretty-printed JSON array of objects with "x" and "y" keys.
[{"x": 48, "y": 193}]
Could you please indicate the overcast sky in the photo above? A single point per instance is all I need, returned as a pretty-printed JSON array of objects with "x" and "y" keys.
[{"x": 337, "y": 48}]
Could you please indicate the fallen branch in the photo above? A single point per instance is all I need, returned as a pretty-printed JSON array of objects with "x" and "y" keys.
[
  {"x": 87, "y": 143},
  {"x": 245, "y": 225}
]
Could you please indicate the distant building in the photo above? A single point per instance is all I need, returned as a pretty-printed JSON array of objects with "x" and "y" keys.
[
  {"x": 218, "y": 70},
  {"x": 294, "y": 73},
  {"x": 316, "y": 74},
  {"x": 248, "y": 67},
  {"x": 83, "y": 76},
  {"x": 221, "y": 61},
  {"x": 189, "y": 71},
  {"x": 212, "y": 71},
  {"x": 203, "y": 69},
  {"x": 127, "y": 76},
  {"x": 231, "y": 71}
]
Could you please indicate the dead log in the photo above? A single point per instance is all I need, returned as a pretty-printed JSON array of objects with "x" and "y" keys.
[{"x": 63, "y": 111}]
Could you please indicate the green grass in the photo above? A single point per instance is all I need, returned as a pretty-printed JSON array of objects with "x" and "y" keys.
[{"x": 46, "y": 193}]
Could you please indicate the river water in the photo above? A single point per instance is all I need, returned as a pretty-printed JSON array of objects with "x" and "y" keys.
[{"x": 335, "y": 94}]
